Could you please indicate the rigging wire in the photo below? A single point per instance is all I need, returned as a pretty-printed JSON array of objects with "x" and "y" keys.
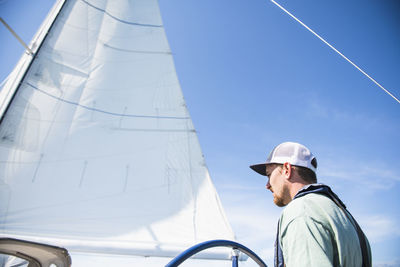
[
  {"x": 337, "y": 51},
  {"x": 29, "y": 51}
]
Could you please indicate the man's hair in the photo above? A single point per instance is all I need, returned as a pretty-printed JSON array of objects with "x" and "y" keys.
[{"x": 306, "y": 174}]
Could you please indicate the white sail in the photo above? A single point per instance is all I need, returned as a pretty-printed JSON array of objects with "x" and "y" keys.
[{"x": 97, "y": 149}]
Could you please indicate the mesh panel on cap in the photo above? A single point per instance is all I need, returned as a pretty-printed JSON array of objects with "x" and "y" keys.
[
  {"x": 285, "y": 150},
  {"x": 271, "y": 154},
  {"x": 294, "y": 153}
]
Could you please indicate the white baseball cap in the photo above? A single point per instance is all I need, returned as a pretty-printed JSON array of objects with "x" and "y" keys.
[{"x": 294, "y": 153}]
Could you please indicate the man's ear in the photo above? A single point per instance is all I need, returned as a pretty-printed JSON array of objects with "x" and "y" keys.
[{"x": 287, "y": 170}]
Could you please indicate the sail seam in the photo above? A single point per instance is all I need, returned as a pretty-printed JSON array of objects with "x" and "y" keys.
[
  {"x": 138, "y": 51},
  {"x": 104, "y": 111},
  {"x": 120, "y": 20}
]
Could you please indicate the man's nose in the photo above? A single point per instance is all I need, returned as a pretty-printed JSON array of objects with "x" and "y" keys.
[{"x": 268, "y": 185}]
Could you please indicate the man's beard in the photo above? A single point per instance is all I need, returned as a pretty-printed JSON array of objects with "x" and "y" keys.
[{"x": 282, "y": 198}]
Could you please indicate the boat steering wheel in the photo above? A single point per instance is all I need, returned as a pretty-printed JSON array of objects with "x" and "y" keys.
[{"x": 236, "y": 248}]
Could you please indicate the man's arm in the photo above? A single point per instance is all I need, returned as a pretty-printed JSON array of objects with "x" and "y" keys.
[{"x": 306, "y": 242}]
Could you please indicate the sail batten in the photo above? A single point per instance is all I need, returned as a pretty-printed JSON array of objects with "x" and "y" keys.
[{"x": 98, "y": 152}]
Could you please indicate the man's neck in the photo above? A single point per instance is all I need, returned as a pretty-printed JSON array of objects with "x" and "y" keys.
[{"x": 296, "y": 187}]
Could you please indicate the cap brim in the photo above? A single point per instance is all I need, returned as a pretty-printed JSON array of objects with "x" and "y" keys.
[{"x": 260, "y": 168}]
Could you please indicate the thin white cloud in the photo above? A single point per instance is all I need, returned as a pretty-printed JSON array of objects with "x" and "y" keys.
[
  {"x": 379, "y": 227},
  {"x": 395, "y": 263},
  {"x": 376, "y": 176},
  {"x": 362, "y": 120}
]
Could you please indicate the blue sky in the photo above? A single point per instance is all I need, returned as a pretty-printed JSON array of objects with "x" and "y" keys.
[{"x": 253, "y": 77}]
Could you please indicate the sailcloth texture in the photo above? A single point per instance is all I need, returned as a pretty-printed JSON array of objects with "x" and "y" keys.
[{"x": 98, "y": 152}]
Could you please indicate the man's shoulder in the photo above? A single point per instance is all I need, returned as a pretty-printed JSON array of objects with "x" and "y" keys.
[
  {"x": 309, "y": 201},
  {"x": 312, "y": 206}
]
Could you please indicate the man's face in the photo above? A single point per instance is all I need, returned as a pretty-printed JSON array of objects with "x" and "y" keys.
[{"x": 276, "y": 184}]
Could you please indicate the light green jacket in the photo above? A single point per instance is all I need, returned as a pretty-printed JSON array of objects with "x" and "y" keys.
[{"x": 314, "y": 231}]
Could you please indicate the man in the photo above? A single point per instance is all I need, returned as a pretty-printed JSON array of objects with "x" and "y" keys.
[{"x": 314, "y": 229}]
